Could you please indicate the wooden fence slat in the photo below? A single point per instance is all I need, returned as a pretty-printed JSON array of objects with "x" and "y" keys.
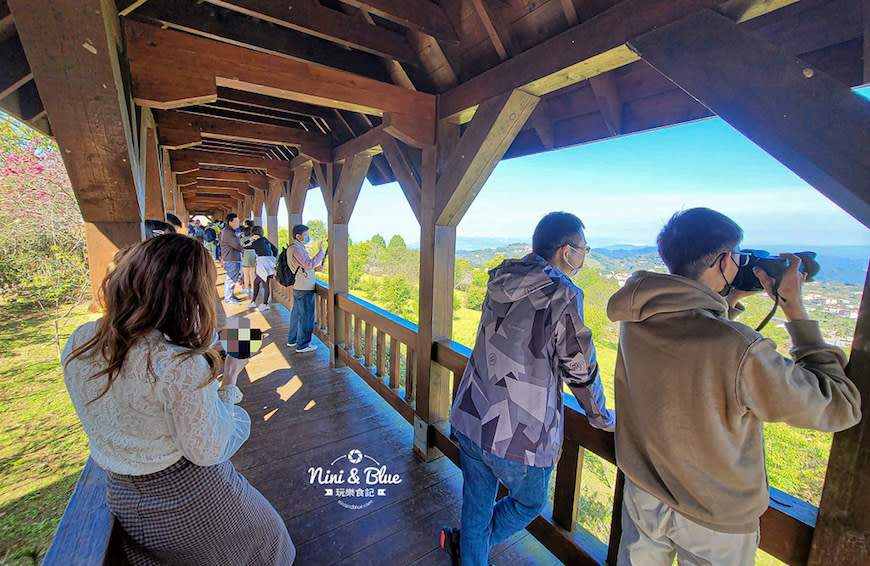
[
  {"x": 368, "y": 344},
  {"x": 357, "y": 337},
  {"x": 410, "y": 363},
  {"x": 395, "y": 351},
  {"x": 382, "y": 354},
  {"x": 347, "y": 331},
  {"x": 566, "y": 491}
]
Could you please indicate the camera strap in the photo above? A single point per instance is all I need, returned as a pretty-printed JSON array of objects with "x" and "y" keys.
[{"x": 769, "y": 315}]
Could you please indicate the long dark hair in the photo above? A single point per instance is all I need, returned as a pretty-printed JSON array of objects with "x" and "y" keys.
[{"x": 164, "y": 283}]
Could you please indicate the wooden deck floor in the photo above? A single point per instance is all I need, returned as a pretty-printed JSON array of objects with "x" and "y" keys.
[{"x": 306, "y": 415}]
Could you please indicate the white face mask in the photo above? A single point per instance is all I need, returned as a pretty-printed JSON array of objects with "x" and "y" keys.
[{"x": 574, "y": 269}]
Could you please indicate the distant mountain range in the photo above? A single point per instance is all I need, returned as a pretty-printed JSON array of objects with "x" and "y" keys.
[{"x": 842, "y": 264}]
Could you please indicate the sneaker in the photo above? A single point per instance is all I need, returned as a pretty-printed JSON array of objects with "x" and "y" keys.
[
  {"x": 245, "y": 292},
  {"x": 264, "y": 307},
  {"x": 252, "y": 304},
  {"x": 308, "y": 348},
  {"x": 450, "y": 544},
  {"x": 291, "y": 344},
  {"x": 233, "y": 301}
]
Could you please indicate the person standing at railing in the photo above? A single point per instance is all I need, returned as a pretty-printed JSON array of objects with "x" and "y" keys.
[
  {"x": 508, "y": 412},
  {"x": 694, "y": 389},
  {"x": 143, "y": 381},
  {"x": 305, "y": 266}
]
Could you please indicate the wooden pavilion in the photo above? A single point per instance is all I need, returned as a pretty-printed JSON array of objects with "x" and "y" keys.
[{"x": 227, "y": 105}]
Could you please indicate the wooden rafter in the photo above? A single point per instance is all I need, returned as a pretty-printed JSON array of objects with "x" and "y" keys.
[
  {"x": 15, "y": 71},
  {"x": 307, "y": 16},
  {"x": 236, "y": 29},
  {"x": 586, "y": 50},
  {"x": 272, "y": 167},
  {"x": 496, "y": 30},
  {"x": 194, "y": 78},
  {"x": 186, "y": 128},
  {"x": 421, "y": 15}
]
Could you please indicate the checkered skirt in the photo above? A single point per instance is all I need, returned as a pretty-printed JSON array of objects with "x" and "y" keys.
[{"x": 201, "y": 516}]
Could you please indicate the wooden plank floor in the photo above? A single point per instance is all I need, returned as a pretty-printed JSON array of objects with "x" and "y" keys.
[{"x": 306, "y": 415}]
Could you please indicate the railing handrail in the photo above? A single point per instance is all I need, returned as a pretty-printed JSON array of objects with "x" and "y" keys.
[{"x": 400, "y": 328}]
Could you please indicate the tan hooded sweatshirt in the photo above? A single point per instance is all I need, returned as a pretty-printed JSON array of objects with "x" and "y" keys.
[{"x": 693, "y": 389}]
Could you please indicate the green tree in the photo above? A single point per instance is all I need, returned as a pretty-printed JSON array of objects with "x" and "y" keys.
[
  {"x": 317, "y": 231},
  {"x": 462, "y": 274},
  {"x": 397, "y": 242},
  {"x": 477, "y": 289},
  {"x": 394, "y": 293},
  {"x": 378, "y": 241}
]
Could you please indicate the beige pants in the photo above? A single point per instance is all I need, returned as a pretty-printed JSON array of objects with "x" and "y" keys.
[{"x": 653, "y": 534}]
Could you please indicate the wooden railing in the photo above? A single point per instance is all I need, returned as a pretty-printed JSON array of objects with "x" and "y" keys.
[
  {"x": 380, "y": 348},
  {"x": 786, "y": 527}
]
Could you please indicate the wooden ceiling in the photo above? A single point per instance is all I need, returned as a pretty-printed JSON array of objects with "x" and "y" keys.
[{"x": 245, "y": 87}]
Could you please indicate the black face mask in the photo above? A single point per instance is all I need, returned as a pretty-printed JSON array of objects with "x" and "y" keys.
[{"x": 724, "y": 291}]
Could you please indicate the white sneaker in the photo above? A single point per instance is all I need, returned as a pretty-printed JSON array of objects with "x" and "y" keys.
[
  {"x": 308, "y": 348},
  {"x": 291, "y": 344},
  {"x": 264, "y": 307},
  {"x": 252, "y": 304},
  {"x": 233, "y": 301}
]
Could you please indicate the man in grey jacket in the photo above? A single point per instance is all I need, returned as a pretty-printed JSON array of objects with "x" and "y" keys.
[
  {"x": 231, "y": 253},
  {"x": 507, "y": 415},
  {"x": 694, "y": 388}
]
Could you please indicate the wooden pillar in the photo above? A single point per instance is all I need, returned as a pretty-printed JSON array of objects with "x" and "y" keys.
[
  {"x": 276, "y": 189},
  {"x": 154, "y": 205},
  {"x": 72, "y": 50},
  {"x": 170, "y": 191},
  {"x": 295, "y": 197},
  {"x": 811, "y": 123},
  {"x": 259, "y": 199},
  {"x": 340, "y": 201},
  {"x": 452, "y": 174},
  {"x": 842, "y": 534},
  {"x": 104, "y": 241}
]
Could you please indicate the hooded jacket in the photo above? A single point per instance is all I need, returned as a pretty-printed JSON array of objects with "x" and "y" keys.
[
  {"x": 531, "y": 338},
  {"x": 694, "y": 388}
]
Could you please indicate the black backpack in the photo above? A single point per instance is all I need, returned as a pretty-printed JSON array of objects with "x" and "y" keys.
[{"x": 285, "y": 275}]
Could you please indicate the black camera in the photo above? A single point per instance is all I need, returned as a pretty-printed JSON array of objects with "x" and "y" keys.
[{"x": 772, "y": 265}]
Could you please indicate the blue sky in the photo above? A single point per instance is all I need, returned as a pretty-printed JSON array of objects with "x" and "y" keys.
[{"x": 624, "y": 189}]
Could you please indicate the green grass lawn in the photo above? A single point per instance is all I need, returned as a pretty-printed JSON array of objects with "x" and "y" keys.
[{"x": 43, "y": 447}]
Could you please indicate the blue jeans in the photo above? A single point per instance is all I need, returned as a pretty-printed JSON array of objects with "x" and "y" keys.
[
  {"x": 234, "y": 271},
  {"x": 483, "y": 525},
  {"x": 301, "y": 319}
]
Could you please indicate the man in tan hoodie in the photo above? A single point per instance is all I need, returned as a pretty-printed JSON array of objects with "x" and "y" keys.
[{"x": 693, "y": 388}]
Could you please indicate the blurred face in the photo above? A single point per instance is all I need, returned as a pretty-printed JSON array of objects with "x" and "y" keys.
[
  {"x": 303, "y": 237},
  {"x": 235, "y": 223}
]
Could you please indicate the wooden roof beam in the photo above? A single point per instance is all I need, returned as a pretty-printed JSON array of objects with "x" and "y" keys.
[
  {"x": 236, "y": 29},
  {"x": 272, "y": 167},
  {"x": 495, "y": 29},
  {"x": 591, "y": 48},
  {"x": 199, "y": 66},
  {"x": 421, "y": 15},
  {"x": 368, "y": 143},
  {"x": 307, "y": 16},
  {"x": 181, "y": 127},
  {"x": 810, "y": 122},
  {"x": 15, "y": 71}
]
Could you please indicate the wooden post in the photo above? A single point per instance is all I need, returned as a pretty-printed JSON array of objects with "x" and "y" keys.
[
  {"x": 80, "y": 84},
  {"x": 276, "y": 189},
  {"x": 566, "y": 494},
  {"x": 295, "y": 198},
  {"x": 452, "y": 174},
  {"x": 169, "y": 189},
  {"x": 842, "y": 534},
  {"x": 340, "y": 193},
  {"x": 154, "y": 204},
  {"x": 811, "y": 123},
  {"x": 104, "y": 241}
]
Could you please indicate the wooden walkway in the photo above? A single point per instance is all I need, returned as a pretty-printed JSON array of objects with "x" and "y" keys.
[{"x": 306, "y": 415}]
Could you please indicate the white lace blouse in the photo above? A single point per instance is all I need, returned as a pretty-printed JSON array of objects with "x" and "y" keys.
[{"x": 148, "y": 420}]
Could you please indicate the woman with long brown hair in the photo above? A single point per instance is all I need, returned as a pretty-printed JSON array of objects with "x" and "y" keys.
[{"x": 143, "y": 380}]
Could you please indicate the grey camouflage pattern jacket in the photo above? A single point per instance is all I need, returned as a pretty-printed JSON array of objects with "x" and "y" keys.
[{"x": 531, "y": 338}]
